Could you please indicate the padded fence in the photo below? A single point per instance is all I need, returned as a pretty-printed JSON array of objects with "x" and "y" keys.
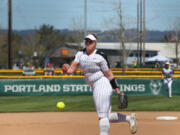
[{"x": 77, "y": 86}]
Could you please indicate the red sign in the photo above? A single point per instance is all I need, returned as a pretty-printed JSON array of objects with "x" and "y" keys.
[{"x": 64, "y": 52}]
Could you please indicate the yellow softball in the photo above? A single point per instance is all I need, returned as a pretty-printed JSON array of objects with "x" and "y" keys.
[{"x": 60, "y": 105}]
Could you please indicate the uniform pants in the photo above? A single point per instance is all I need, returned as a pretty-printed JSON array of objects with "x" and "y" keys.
[
  {"x": 102, "y": 94},
  {"x": 168, "y": 83}
]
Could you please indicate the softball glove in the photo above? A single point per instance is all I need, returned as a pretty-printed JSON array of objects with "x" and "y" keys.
[{"x": 122, "y": 101}]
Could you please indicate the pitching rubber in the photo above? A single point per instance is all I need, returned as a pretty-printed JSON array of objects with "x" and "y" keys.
[{"x": 166, "y": 118}]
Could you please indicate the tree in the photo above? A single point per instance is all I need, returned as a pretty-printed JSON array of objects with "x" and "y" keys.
[
  {"x": 122, "y": 35},
  {"x": 50, "y": 40},
  {"x": 120, "y": 32},
  {"x": 16, "y": 42},
  {"x": 43, "y": 43},
  {"x": 174, "y": 37},
  {"x": 77, "y": 34},
  {"x": 30, "y": 46},
  {"x": 167, "y": 37}
]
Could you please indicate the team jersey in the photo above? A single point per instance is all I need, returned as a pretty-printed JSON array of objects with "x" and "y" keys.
[
  {"x": 92, "y": 65},
  {"x": 167, "y": 72}
]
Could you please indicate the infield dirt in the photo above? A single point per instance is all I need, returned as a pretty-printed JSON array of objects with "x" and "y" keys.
[{"x": 83, "y": 123}]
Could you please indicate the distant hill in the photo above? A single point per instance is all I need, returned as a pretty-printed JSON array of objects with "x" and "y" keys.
[
  {"x": 23, "y": 32},
  {"x": 106, "y": 36},
  {"x": 151, "y": 36},
  {"x": 155, "y": 36}
]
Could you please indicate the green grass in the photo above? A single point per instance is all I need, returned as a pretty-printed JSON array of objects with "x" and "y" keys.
[{"x": 85, "y": 103}]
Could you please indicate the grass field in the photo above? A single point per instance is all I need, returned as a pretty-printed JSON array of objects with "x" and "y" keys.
[{"x": 85, "y": 103}]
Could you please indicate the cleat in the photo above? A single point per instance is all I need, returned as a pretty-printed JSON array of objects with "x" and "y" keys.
[{"x": 133, "y": 123}]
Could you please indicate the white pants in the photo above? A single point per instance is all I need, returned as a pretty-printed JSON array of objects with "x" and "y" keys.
[
  {"x": 102, "y": 94},
  {"x": 168, "y": 83}
]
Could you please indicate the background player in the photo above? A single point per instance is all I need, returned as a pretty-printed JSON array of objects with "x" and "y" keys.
[
  {"x": 167, "y": 76},
  {"x": 99, "y": 76}
]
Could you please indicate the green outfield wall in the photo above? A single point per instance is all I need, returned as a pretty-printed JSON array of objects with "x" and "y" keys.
[{"x": 77, "y": 86}]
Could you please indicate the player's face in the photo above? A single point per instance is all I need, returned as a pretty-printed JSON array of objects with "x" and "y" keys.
[
  {"x": 166, "y": 66},
  {"x": 90, "y": 45}
]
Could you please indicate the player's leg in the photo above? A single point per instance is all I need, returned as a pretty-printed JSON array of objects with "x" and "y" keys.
[
  {"x": 169, "y": 88},
  {"x": 102, "y": 108},
  {"x": 118, "y": 117},
  {"x": 166, "y": 86},
  {"x": 103, "y": 115},
  {"x": 132, "y": 120},
  {"x": 133, "y": 123},
  {"x": 104, "y": 126},
  {"x": 102, "y": 93}
]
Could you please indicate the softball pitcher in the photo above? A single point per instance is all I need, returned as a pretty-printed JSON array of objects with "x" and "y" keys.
[
  {"x": 167, "y": 76},
  {"x": 99, "y": 76}
]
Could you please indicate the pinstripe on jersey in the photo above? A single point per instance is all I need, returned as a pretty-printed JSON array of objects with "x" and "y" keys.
[
  {"x": 92, "y": 67},
  {"x": 168, "y": 80},
  {"x": 167, "y": 72}
]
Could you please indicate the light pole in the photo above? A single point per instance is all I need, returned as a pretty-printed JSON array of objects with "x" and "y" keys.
[
  {"x": 141, "y": 31},
  {"x": 144, "y": 30},
  {"x": 85, "y": 17},
  {"x": 9, "y": 34}
]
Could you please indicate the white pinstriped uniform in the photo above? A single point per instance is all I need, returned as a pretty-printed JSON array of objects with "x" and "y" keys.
[
  {"x": 168, "y": 80},
  {"x": 92, "y": 67}
]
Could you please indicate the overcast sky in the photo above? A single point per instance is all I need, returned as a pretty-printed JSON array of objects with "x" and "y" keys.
[{"x": 101, "y": 14}]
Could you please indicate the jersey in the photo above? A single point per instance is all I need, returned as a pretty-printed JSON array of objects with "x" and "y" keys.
[
  {"x": 92, "y": 65},
  {"x": 167, "y": 73}
]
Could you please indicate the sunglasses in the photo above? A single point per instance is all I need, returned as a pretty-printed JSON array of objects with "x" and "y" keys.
[{"x": 88, "y": 42}]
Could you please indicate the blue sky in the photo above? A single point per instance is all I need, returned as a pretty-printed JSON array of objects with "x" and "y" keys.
[{"x": 101, "y": 14}]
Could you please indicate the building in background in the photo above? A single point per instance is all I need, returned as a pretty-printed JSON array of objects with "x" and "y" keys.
[{"x": 113, "y": 51}]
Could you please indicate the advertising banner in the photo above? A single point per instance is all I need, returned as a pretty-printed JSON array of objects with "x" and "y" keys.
[{"x": 77, "y": 86}]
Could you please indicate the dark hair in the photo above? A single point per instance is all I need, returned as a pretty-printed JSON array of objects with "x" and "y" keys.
[{"x": 95, "y": 35}]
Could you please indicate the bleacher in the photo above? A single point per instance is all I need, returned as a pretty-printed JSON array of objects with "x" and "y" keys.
[{"x": 118, "y": 72}]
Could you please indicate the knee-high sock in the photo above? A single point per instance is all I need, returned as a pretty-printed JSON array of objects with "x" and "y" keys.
[
  {"x": 169, "y": 90},
  {"x": 104, "y": 126},
  {"x": 117, "y": 117}
]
